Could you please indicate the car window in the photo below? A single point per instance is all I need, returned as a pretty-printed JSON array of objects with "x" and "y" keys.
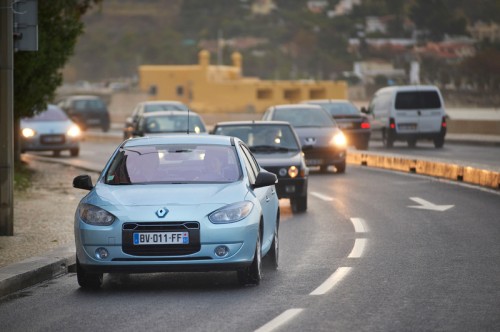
[
  {"x": 250, "y": 163},
  {"x": 304, "y": 117},
  {"x": 340, "y": 108},
  {"x": 174, "y": 164},
  {"x": 89, "y": 104},
  {"x": 421, "y": 100},
  {"x": 50, "y": 114},
  {"x": 263, "y": 138},
  {"x": 174, "y": 123}
]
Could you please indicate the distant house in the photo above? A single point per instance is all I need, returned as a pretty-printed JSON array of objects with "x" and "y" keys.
[
  {"x": 367, "y": 71},
  {"x": 344, "y": 7},
  {"x": 451, "y": 50},
  {"x": 263, "y": 7},
  {"x": 485, "y": 31},
  {"x": 317, "y": 6}
]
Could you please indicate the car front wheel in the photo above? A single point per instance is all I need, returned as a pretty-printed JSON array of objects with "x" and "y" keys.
[
  {"x": 340, "y": 167},
  {"x": 87, "y": 280},
  {"x": 250, "y": 276}
]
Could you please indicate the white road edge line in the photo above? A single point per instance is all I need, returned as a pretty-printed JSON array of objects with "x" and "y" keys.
[
  {"x": 359, "y": 225},
  {"x": 321, "y": 196},
  {"x": 357, "y": 250},
  {"x": 334, "y": 279},
  {"x": 280, "y": 320}
]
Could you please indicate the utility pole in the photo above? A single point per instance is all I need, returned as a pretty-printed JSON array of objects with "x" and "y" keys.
[{"x": 6, "y": 118}]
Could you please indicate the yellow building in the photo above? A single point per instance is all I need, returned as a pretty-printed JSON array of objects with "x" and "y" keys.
[{"x": 221, "y": 89}]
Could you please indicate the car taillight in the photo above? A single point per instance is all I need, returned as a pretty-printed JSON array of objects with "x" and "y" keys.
[
  {"x": 392, "y": 123},
  {"x": 443, "y": 122},
  {"x": 365, "y": 125}
]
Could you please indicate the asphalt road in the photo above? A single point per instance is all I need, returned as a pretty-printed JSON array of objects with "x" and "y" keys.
[{"x": 372, "y": 253}]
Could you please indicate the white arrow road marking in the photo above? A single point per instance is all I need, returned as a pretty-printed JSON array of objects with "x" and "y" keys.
[
  {"x": 425, "y": 205},
  {"x": 280, "y": 320}
]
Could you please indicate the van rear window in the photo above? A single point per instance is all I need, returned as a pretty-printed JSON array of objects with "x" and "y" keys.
[{"x": 421, "y": 100}]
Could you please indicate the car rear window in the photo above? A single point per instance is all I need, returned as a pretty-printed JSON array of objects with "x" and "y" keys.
[
  {"x": 176, "y": 163},
  {"x": 263, "y": 138},
  {"x": 164, "y": 107},
  {"x": 89, "y": 104},
  {"x": 304, "y": 117},
  {"x": 420, "y": 100},
  {"x": 174, "y": 124}
]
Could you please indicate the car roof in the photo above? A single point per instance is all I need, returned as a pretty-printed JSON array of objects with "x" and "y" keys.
[
  {"x": 296, "y": 106},
  {"x": 83, "y": 97},
  {"x": 327, "y": 101},
  {"x": 409, "y": 88},
  {"x": 251, "y": 122},
  {"x": 179, "y": 139},
  {"x": 170, "y": 112},
  {"x": 159, "y": 102}
]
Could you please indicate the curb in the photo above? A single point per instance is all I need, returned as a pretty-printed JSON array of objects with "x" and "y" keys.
[{"x": 36, "y": 269}]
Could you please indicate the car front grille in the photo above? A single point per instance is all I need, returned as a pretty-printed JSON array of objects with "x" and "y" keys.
[{"x": 192, "y": 227}]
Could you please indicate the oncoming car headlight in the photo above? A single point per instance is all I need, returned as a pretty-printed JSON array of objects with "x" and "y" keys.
[
  {"x": 293, "y": 171},
  {"x": 28, "y": 132},
  {"x": 339, "y": 139},
  {"x": 74, "y": 131},
  {"x": 93, "y": 215},
  {"x": 231, "y": 213}
]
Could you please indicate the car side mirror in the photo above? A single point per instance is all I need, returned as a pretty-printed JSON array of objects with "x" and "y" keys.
[
  {"x": 129, "y": 121},
  {"x": 265, "y": 179},
  {"x": 83, "y": 182},
  {"x": 364, "y": 110}
]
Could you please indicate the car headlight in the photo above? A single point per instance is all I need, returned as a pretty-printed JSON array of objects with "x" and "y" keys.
[
  {"x": 94, "y": 215},
  {"x": 74, "y": 131},
  {"x": 231, "y": 213},
  {"x": 28, "y": 132},
  {"x": 339, "y": 140},
  {"x": 293, "y": 171}
]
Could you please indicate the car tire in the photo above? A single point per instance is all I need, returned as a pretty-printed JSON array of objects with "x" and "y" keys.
[
  {"x": 323, "y": 168},
  {"x": 74, "y": 152},
  {"x": 251, "y": 275},
  {"x": 439, "y": 142},
  {"x": 298, "y": 204},
  {"x": 271, "y": 259},
  {"x": 341, "y": 167},
  {"x": 387, "y": 139},
  {"x": 412, "y": 143},
  {"x": 56, "y": 153},
  {"x": 87, "y": 280}
]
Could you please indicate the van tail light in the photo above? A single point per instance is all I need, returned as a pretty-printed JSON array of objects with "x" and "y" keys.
[
  {"x": 392, "y": 123},
  {"x": 443, "y": 122},
  {"x": 365, "y": 124}
]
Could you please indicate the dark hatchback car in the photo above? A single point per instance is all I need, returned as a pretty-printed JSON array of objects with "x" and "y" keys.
[
  {"x": 86, "y": 111},
  {"x": 323, "y": 143},
  {"x": 276, "y": 147},
  {"x": 169, "y": 122},
  {"x": 354, "y": 124}
]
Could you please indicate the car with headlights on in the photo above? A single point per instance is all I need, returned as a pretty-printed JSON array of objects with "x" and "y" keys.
[
  {"x": 50, "y": 130},
  {"x": 277, "y": 149},
  {"x": 150, "y": 107},
  {"x": 177, "y": 203},
  {"x": 169, "y": 122},
  {"x": 354, "y": 124},
  {"x": 323, "y": 143}
]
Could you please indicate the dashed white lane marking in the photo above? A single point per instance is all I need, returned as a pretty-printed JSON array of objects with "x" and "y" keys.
[
  {"x": 357, "y": 250},
  {"x": 359, "y": 225},
  {"x": 329, "y": 283},
  {"x": 321, "y": 196},
  {"x": 280, "y": 320}
]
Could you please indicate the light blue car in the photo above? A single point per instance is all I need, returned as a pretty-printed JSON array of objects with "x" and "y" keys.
[{"x": 177, "y": 203}]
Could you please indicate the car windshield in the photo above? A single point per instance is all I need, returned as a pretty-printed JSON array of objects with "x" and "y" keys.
[
  {"x": 340, "y": 108},
  {"x": 89, "y": 104},
  {"x": 176, "y": 163},
  {"x": 304, "y": 117},
  {"x": 164, "y": 107},
  {"x": 174, "y": 124},
  {"x": 263, "y": 138},
  {"x": 51, "y": 114}
]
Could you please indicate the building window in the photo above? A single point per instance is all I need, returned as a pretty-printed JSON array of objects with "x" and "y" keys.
[
  {"x": 292, "y": 95},
  {"x": 317, "y": 94},
  {"x": 180, "y": 90},
  {"x": 264, "y": 94}
]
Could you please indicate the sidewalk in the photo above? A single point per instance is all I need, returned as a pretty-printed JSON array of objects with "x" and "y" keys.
[{"x": 43, "y": 243}]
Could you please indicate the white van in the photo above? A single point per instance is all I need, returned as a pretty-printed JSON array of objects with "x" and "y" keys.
[{"x": 408, "y": 113}]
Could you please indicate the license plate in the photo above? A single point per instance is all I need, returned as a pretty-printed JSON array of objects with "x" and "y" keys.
[
  {"x": 52, "y": 139},
  {"x": 345, "y": 125},
  {"x": 410, "y": 126},
  {"x": 161, "y": 238},
  {"x": 93, "y": 121},
  {"x": 314, "y": 162}
]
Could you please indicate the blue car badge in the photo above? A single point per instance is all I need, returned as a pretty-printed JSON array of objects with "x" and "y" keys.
[{"x": 161, "y": 213}]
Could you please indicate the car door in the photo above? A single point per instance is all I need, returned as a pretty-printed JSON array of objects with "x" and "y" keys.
[{"x": 265, "y": 195}]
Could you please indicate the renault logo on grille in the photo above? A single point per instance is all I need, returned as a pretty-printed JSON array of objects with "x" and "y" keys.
[
  {"x": 310, "y": 140},
  {"x": 162, "y": 212}
]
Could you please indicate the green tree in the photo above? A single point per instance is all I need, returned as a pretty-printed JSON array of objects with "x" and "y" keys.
[{"x": 38, "y": 74}]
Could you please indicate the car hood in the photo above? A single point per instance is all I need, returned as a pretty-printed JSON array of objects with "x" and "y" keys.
[
  {"x": 48, "y": 127},
  {"x": 316, "y": 135},
  {"x": 278, "y": 159},
  {"x": 158, "y": 194}
]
